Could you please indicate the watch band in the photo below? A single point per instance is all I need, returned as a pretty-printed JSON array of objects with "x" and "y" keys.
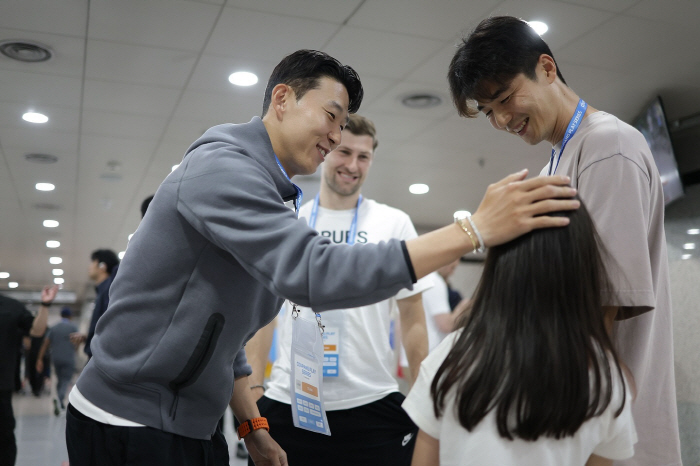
[{"x": 252, "y": 424}]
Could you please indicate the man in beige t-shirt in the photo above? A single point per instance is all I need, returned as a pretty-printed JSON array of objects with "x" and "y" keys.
[{"x": 511, "y": 75}]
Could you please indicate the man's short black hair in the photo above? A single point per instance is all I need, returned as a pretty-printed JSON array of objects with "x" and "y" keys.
[
  {"x": 495, "y": 52},
  {"x": 302, "y": 71},
  {"x": 144, "y": 205},
  {"x": 106, "y": 256}
]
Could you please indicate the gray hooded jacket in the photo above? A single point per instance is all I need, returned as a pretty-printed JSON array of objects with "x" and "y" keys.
[{"x": 209, "y": 265}]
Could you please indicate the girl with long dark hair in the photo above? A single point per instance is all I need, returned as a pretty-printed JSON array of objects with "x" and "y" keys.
[{"x": 531, "y": 377}]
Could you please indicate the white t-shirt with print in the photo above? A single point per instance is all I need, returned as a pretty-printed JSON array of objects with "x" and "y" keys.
[
  {"x": 366, "y": 360},
  {"x": 605, "y": 435}
]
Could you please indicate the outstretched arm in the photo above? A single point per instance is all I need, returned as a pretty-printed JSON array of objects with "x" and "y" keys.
[
  {"x": 48, "y": 294},
  {"x": 510, "y": 208}
]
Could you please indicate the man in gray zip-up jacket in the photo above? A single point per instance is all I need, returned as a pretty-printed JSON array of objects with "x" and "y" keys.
[{"x": 219, "y": 250}]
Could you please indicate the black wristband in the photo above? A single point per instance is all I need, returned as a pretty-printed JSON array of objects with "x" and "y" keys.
[{"x": 44, "y": 303}]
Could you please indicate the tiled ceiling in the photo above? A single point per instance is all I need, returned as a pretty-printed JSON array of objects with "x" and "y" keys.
[{"x": 133, "y": 82}]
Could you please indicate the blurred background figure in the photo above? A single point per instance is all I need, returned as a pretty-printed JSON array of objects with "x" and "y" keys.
[
  {"x": 144, "y": 205},
  {"x": 453, "y": 296},
  {"x": 15, "y": 320},
  {"x": 102, "y": 270},
  {"x": 35, "y": 378},
  {"x": 62, "y": 352}
]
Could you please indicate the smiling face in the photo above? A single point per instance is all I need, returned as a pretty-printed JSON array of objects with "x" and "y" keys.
[
  {"x": 525, "y": 107},
  {"x": 346, "y": 168},
  {"x": 310, "y": 127}
]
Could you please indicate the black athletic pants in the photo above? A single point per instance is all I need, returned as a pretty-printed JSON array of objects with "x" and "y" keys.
[
  {"x": 91, "y": 443},
  {"x": 379, "y": 433},
  {"x": 8, "y": 446}
]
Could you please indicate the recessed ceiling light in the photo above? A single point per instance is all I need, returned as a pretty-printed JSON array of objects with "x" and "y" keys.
[
  {"x": 174, "y": 167},
  {"x": 12, "y": 285},
  {"x": 686, "y": 256},
  {"x": 33, "y": 117},
  {"x": 53, "y": 244},
  {"x": 59, "y": 281},
  {"x": 243, "y": 78},
  {"x": 421, "y": 101},
  {"x": 418, "y": 188},
  {"x": 57, "y": 272},
  {"x": 55, "y": 260},
  {"x": 4, "y": 275},
  {"x": 121, "y": 255},
  {"x": 26, "y": 51},
  {"x": 689, "y": 246},
  {"x": 539, "y": 27},
  {"x": 694, "y": 231},
  {"x": 50, "y": 223},
  {"x": 45, "y": 187}
]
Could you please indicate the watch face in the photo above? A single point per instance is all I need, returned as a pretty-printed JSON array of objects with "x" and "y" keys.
[{"x": 461, "y": 215}]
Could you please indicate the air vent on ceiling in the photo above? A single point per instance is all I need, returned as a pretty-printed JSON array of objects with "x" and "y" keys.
[
  {"x": 25, "y": 51},
  {"x": 41, "y": 158},
  {"x": 111, "y": 176},
  {"x": 46, "y": 206},
  {"x": 421, "y": 101}
]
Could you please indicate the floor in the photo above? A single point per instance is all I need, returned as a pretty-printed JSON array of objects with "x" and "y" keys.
[{"x": 40, "y": 434}]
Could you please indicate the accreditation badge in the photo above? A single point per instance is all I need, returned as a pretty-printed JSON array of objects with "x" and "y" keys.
[{"x": 306, "y": 375}]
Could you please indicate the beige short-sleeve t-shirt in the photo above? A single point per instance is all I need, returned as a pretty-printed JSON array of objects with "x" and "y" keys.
[{"x": 610, "y": 164}]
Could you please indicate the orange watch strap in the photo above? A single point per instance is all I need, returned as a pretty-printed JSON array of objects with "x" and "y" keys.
[{"x": 252, "y": 424}]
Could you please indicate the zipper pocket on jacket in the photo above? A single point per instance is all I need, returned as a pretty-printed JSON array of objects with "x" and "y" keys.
[{"x": 199, "y": 358}]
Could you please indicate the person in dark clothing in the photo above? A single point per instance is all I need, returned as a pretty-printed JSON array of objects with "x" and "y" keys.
[
  {"x": 103, "y": 267},
  {"x": 144, "y": 205},
  {"x": 34, "y": 376},
  {"x": 15, "y": 321}
]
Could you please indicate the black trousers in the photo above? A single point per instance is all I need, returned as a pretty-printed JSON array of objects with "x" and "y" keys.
[
  {"x": 8, "y": 446},
  {"x": 91, "y": 443},
  {"x": 379, "y": 433}
]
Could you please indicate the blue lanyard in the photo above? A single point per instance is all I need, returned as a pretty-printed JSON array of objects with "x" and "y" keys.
[
  {"x": 300, "y": 195},
  {"x": 353, "y": 228},
  {"x": 570, "y": 131}
]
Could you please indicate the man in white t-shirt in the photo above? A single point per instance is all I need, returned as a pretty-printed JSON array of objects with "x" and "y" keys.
[
  {"x": 511, "y": 74},
  {"x": 361, "y": 395}
]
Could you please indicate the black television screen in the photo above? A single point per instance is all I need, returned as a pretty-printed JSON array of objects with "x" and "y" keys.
[{"x": 652, "y": 124}]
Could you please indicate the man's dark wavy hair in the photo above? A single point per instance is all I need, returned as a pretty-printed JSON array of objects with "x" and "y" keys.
[
  {"x": 535, "y": 349},
  {"x": 302, "y": 71},
  {"x": 495, "y": 52},
  {"x": 108, "y": 257}
]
